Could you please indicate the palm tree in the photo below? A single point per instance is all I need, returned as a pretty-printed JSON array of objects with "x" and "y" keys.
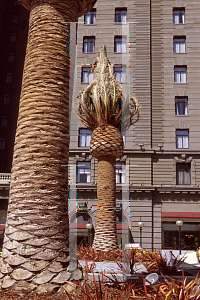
[
  {"x": 105, "y": 109},
  {"x": 35, "y": 249}
]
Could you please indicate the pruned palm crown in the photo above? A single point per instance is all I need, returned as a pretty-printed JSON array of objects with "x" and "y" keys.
[{"x": 104, "y": 101}]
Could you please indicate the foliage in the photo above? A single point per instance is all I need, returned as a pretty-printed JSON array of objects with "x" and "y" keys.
[
  {"x": 158, "y": 264},
  {"x": 88, "y": 253},
  {"x": 104, "y": 101}
]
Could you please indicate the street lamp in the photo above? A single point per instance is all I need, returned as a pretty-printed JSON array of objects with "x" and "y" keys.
[
  {"x": 89, "y": 227},
  {"x": 179, "y": 223},
  {"x": 140, "y": 225}
]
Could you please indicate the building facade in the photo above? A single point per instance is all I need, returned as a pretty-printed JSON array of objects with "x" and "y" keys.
[{"x": 153, "y": 46}]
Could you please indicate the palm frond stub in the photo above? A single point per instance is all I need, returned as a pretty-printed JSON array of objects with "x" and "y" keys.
[{"x": 104, "y": 101}]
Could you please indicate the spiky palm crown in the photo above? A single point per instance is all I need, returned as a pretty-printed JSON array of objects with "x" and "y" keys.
[{"x": 104, "y": 101}]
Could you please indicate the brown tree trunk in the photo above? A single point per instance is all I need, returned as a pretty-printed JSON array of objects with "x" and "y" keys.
[
  {"x": 105, "y": 230},
  {"x": 36, "y": 236}
]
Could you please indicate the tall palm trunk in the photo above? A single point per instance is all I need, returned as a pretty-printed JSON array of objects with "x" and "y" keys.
[
  {"x": 36, "y": 235},
  {"x": 105, "y": 229},
  {"x": 106, "y": 145}
]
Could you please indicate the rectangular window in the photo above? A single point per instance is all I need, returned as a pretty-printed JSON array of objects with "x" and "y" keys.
[
  {"x": 4, "y": 121},
  {"x": 181, "y": 106},
  {"x": 89, "y": 44},
  {"x": 14, "y": 19},
  {"x": 179, "y": 44},
  {"x": 85, "y": 78},
  {"x": 120, "y": 73},
  {"x": 120, "y": 173},
  {"x": 13, "y": 37},
  {"x": 120, "y": 44},
  {"x": 90, "y": 17},
  {"x": 84, "y": 137},
  {"x": 8, "y": 77},
  {"x": 6, "y": 99},
  {"x": 180, "y": 74},
  {"x": 83, "y": 171},
  {"x": 10, "y": 57},
  {"x": 179, "y": 15},
  {"x": 2, "y": 143},
  {"x": 183, "y": 173},
  {"x": 120, "y": 15},
  {"x": 182, "y": 138}
]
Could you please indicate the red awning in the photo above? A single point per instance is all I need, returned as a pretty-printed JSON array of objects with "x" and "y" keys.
[{"x": 176, "y": 215}]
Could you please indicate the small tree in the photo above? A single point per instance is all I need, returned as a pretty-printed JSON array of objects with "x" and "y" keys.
[{"x": 106, "y": 109}]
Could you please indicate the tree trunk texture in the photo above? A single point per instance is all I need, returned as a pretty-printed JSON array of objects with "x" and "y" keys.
[
  {"x": 105, "y": 238},
  {"x": 35, "y": 249}
]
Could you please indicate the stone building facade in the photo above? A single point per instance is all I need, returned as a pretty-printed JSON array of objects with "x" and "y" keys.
[{"x": 153, "y": 46}]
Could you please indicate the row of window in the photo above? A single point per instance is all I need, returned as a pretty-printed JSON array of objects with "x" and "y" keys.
[
  {"x": 180, "y": 74},
  {"x": 121, "y": 16},
  {"x": 84, "y": 172},
  {"x": 182, "y": 138},
  {"x": 183, "y": 173},
  {"x": 119, "y": 70},
  {"x": 179, "y": 44},
  {"x": 119, "y": 44}
]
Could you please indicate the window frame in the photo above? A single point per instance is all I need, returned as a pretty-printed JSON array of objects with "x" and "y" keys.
[
  {"x": 180, "y": 138},
  {"x": 122, "y": 72},
  {"x": 179, "y": 73},
  {"x": 177, "y": 42},
  {"x": 119, "y": 10},
  {"x": 87, "y": 166},
  {"x": 9, "y": 78},
  {"x": 185, "y": 167},
  {"x": 13, "y": 36},
  {"x": 120, "y": 173},
  {"x": 88, "y": 133},
  {"x": 181, "y": 108},
  {"x": 2, "y": 143},
  {"x": 87, "y": 44},
  {"x": 4, "y": 121},
  {"x": 123, "y": 39},
  {"x": 180, "y": 13},
  {"x": 6, "y": 99},
  {"x": 91, "y": 16},
  {"x": 83, "y": 71}
]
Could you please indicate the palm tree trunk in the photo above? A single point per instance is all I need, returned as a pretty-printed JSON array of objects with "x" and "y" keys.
[
  {"x": 36, "y": 235},
  {"x": 105, "y": 230}
]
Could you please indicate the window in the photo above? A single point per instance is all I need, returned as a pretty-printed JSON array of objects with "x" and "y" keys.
[
  {"x": 2, "y": 143},
  {"x": 182, "y": 138},
  {"x": 120, "y": 173},
  {"x": 83, "y": 171},
  {"x": 16, "y": 2},
  {"x": 6, "y": 99},
  {"x": 120, "y": 15},
  {"x": 120, "y": 44},
  {"x": 120, "y": 73},
  {"x": 181, "y": 106},
  {"x": 4, "y": 121},
  {"x": 13, "y": 37},
  {"x": 8, "y": 77},
  {"x": 89, "y": 44},
  {"x": 179, "y": 15},
  {"x": 85, "y": 77},
  {"x": 84, "y": 137},
  {"x": 179, "y": 44},
  {"x": 183, "y": 173},
  {"x": 14, "y": 19},
  {"x": 180, "y": 74},
  {"x": 90, "y": 17},
  {"x": 11, "y": 57}
]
